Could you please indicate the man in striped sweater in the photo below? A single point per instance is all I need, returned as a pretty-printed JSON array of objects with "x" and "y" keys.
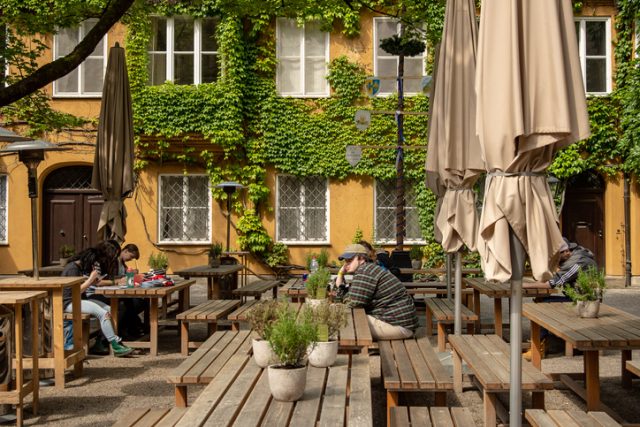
[{"x": 390, "y": 309}]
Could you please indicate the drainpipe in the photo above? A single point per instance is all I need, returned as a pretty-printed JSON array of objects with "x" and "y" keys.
[{"x": 627, "y": 230}]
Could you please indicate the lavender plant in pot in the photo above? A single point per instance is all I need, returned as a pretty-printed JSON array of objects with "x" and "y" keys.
[
  {"x": 261, "y": 316},
  {"x": 329, "y": 318},
  {"x": 289, "y": 336},
  {"x": 588, "y": 292}
]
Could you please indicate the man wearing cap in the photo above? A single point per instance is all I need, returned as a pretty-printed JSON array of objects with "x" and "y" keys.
[{"x": 390, "y": 309}]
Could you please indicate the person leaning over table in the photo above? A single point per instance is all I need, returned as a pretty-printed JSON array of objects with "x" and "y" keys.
[
  {"x": 129, "y": 323},
  {"x": 390, "y": 309},
  {"x": 89, "y": 264}
]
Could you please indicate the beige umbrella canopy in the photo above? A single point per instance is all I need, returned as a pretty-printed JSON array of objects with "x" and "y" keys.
[
  {"x": 113, "y": 164},
  {"x": 454, "y": 159},
  {"x": 530, "y": 103}
]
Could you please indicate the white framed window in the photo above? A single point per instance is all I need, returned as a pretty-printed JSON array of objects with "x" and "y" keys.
[
  {"x": 183, "y": 50},
  {"x": 385, "y": 213},
  {"x": 302, "y": 209},
  {"x": 184, "y": 209},
  {"x": 594, "y": 46},
  {"x": 303, "y": 55},
  {"x": 385, "y": 65},
  {"x": 87, "y": 79},
  {"x": 4, "y": 209}
]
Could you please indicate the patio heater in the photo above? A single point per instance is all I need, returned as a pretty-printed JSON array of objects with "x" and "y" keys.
[
  {"x": 229, "y": 187},
  {"x": 31, "y": 153}
]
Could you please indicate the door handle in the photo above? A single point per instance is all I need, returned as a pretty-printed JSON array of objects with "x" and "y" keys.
[
  {"x": 600, "y": 234},
  {"x": 583, "y": 224},
  {"x": 84, "y": 236},
  {"x": 61, "y": 232}
]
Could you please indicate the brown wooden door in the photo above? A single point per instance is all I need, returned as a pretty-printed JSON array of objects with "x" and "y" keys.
[
  {"x": 583, "y": 217},
  {"x": 71, "y": 212}
]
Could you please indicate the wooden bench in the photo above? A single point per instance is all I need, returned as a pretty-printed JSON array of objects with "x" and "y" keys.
[
  {"x": 256, "y": 289},
  {"x": 239, "y": 314},
  {"x": 209, "y": 312},
  {"x": 633, "y": 366},
  {"x": 151, "y": 417},
  {"x": 488, "y": 358},
  {"x": 420, "y": 416},
  {"x": 208, "y": 360},
  {"x": 239, "y": 395},
  {"x": 86, "y": 329},
  {"x": 443, "y": 310},
  {"x": 412, "y": 365},
  {"x": 558, "y": 418}
]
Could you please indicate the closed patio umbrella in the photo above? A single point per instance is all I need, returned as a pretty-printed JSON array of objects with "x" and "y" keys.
[
  {"x": 530, "y": 104},
  {"x": 113, "y": 164},
  {"x": 454, "y": 159}
]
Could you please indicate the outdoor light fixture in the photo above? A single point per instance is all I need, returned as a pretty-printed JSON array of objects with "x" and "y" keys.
[
  {"x": 229, "y": 188},
  {"x": 31, "y": 153},
  {"x": 557, "y": 187}
]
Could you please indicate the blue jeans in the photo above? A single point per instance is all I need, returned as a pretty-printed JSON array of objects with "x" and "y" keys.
[{"x": 100, "y": 311}]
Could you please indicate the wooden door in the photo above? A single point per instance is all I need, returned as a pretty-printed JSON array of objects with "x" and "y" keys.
[
  {"x": 583, "y": 215},
  {"x": 71, "y": 212}
]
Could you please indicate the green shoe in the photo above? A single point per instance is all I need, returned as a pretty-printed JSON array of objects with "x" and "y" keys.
[
  {"x": 119, "y": 349},
  {"x": 99, "y": 348}
]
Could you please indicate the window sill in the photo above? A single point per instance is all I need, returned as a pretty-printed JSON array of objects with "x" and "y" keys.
[
  {"x": 74, "y": 96},
  {"x": 176, "y": 243},
  {"x": 310, "y": 243}
]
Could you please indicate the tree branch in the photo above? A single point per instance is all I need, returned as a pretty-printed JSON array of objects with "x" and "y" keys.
[{"x": 64, "y": 65}]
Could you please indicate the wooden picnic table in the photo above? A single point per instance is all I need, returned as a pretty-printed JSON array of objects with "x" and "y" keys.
[
  {"x": 257, "y": 288},
  {"x": 214, "y": 277},
  {"x": 562, "y": 418},
  {"x": 353, "y": 337},
  {"x": 115, "y": 293},
  {"x": 239, "y": 395},
  {"x": 22, "y": 388},
  {"x": 439, "y": 271},
  {"x": 60, "y": 359},
  {"x": 613, "y": 330},
  {"x": 497, "y": 291}
]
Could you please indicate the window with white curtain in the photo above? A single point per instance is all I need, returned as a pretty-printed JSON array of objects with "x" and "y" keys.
[
  {"x": 184, "y": 209},
  {"x": 86, "y": 80},
  {"x": 183, "y": 50},
  {"x": 4, "y": 206},
  {"x": 302, "y": 209},
  {"x": 385, "y": 65},
  {"x": 385, "y": 213},
  {"x": 594, "y": 45},
  {"x": 303, "y": 55}
]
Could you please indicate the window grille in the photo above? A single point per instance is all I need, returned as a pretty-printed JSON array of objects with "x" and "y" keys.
[
  {"x": 4, "y": 226},
  {"x": 386, "y": 213},
  {"x": 302, "y": 209},
  {"x": 185, "y": 208}
]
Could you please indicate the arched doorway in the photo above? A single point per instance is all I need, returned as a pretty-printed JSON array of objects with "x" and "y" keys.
[
  {"x": 71, "y": 211},
  {"x": 583, "y": 213}
]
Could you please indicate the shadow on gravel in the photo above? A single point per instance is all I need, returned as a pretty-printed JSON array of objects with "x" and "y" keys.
[
  {"x": 67, "y": 408},
  {"x": 110, "y": 373},
  {"x": 149, "y": 388}
]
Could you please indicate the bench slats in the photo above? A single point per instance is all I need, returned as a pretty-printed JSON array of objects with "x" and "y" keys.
[
  {"x": 440, "y": 417},
  {"x": 239, "y": 313},
  {"x": 563, "y": 419},
  {"x": 360, "y": 414},
  {"x": 408, "y": 378},
  {"x": 194, "y": 374},
  {"x": 238, "y": 345},
  {"x": 462, "y": 417},
  {"x": 488, "y": 378},
  {"x": 308, "y": 408},
  {"x": 335, "y": 396},
  {"x": 278, "y": 413},
  {"x": 633, "y": 366},
  {"x": 230, "y": 404},
  {"x": 440, "y": 374},
  {"x": 388, "y": 366},
  {"x": 348, "y": 333},
  {"x": 420, "y": 367},
  {"x": 363, "y": 331},
  {"x": 178, "y": 373},
  {"x": 559, "y": 418},
  {"x": 422, "y": 416},
  {"x": 172, "y": 418},
  {"x": 251, "y": 415}
]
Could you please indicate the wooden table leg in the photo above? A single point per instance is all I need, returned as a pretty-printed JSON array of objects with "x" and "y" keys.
[
  {"x": 35, "y": 350},
  {"x": 489, "y": 409},
  {"x": 19, "y": 366},
  {"x": 392, "y": 401},
  {"x": 536, "y": 346},
  {"x": 476, "y": 309},
  {"x": 537, "y": 399},
  {"x": 153, "y": 331},
  {"x": 592, "y": 379},
  {"x": 625, "y": 374},
  {"x": 457, "y": 371},
  {"x": 76, "y": 301},
  {"x": 497, "y": 313},
  {"x": 58, "y": 337},
  {"x": 181, "y": 396},
  {"x": 214, "y": 287}
]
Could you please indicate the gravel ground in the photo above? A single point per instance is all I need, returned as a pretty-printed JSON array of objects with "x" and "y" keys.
[{"x": 110, "y": 386}]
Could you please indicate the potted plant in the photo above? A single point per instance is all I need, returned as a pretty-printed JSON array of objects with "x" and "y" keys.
[
  {"x": 415, "y": 253},
  {"x": 159, "y": 261},
  {"x": 66, "y": 252},
  {"x": 261, "y": 316},
  {"x": 588, "y": 292},
  {"x": 329, "y": 319},
  {"x": 316, "y": 286},
  {"x": 215, "y": 251},
  {"x": 289, "y": 336}
]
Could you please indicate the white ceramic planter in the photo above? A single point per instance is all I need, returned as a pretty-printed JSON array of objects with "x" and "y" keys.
[
  {"x": 263, "y": 354},
  {"x": 416, "y": 264},
  {"x": 287, "y": 385},
  {"x": 323, "y": 354},
  {"x": 313, "y": 303},
  {"x": 588, "y": 309}
]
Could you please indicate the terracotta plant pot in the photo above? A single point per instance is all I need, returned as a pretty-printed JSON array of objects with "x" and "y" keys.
[
  {"x": 287, "y": 384},
  {"x": 588, "y": 309},
  {"x": 323, "y": 354},
  {"x": 263, "y": 354}
]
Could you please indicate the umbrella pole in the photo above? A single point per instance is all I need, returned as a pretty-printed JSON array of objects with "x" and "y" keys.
[
  {"x": 515, "y": 330},
  {"x": 448, "y": 275},
  {"x": 457, "y": 327}
]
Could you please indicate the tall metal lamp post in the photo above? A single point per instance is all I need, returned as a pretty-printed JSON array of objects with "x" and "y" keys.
[
  {"x": 229, "y": 188},
  {"x": 31, "y": 153}
]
